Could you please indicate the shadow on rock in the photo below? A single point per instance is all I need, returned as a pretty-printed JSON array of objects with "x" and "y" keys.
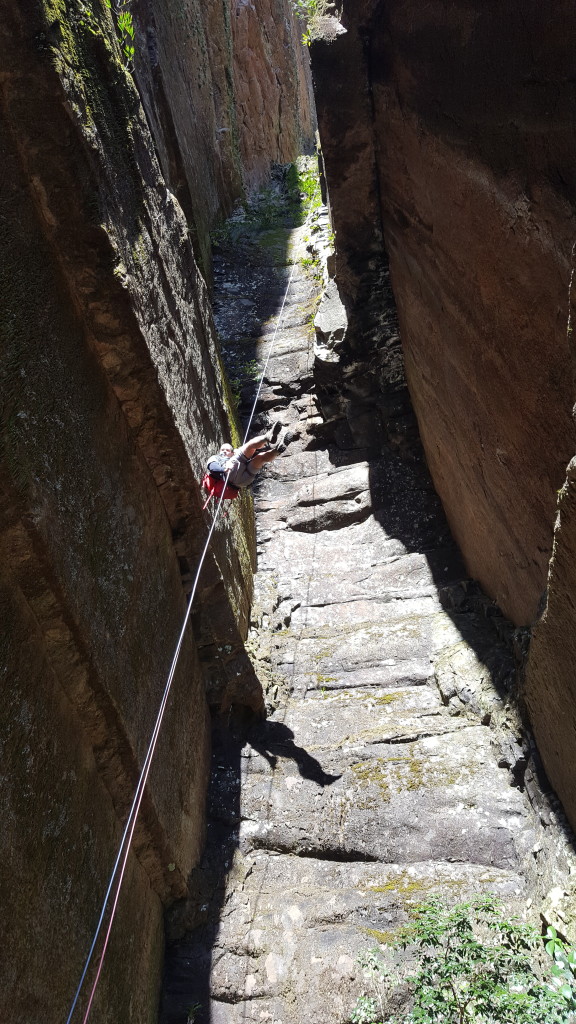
[
  {"x": 274, "y": 739},
  {"x": 366, "y": 403},
  {"x": 192, "y": 925},
  {"x": 407, "y": 507}
]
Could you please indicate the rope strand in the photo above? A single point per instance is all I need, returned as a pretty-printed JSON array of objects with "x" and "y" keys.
[{"x": 121, "y": 861}]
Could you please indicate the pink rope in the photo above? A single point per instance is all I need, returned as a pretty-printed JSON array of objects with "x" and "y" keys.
[
  {"x": 137, "y": 800},
  {"x": 116, "y": 897}
]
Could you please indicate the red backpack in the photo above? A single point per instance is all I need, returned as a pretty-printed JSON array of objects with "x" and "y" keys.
[{"x": 214, "y": 481}]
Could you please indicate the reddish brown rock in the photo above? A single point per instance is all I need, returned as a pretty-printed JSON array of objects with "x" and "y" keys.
[
  {"x": 111, "y": 399},
  {"x": 227, "y": 89},
  {"x": 449, "y": 133}
]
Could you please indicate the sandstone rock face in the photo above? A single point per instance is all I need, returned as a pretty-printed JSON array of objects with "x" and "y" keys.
[
  {"x": 227, "y": 89},
  {"x": 391, "y": 765},
  {"x": 111, "y": 400},
  {"x": 447, "y": 136}
]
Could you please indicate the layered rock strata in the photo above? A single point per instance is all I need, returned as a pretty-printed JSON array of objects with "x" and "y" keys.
[
  {"x": 447, "y": 135},
  {"x": 392, "y": 764},
  {"x": 111, "y": 399}
]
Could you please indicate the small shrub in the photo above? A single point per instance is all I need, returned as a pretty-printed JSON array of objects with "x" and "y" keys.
[
  {"x": 468, "y": 965},
  {"x": 564, "y": 968},
  {"x": 240, "y": 374},
  {"x": 303, "y": 182},
  {"x": 125, "y": 28},
  {"x": 309, "y": 11}
]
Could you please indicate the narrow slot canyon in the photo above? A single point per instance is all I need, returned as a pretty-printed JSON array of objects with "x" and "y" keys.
[
  {"x": 388, "y": 767},
  {"x": 244, "y": 743}
]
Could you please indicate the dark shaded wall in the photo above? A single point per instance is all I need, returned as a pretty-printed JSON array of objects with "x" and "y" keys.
[
  {"x": 448, "y": 140},
  {"x": 111, "y": 396}
]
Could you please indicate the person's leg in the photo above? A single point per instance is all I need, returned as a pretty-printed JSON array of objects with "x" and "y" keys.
[
  {"x": 260, "y": 460},
  {"x": 252, "y": 446}
]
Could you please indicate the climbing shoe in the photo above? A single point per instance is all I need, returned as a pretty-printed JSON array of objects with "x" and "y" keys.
[
  {"x": 289, "y": 436},
  {"x": 273, "y": 433}
]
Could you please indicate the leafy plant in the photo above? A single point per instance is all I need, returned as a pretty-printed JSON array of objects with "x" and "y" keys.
[
  {"x": 192, "y": 1012},
  {"x": 309, "y": 184},
  {"x": 381, "y": 980},
  {"x": 309, "y": 10},
  {"x": 239, "y": 374},
  {"x": 310, "y": 263},
  {"x": 313, "y": 267},
  {"x": 126, "y": 31},
  {"x": 303, "y": 180},
  {"x": 564, "y": 968},
  {"x": 468, "y": 965}
]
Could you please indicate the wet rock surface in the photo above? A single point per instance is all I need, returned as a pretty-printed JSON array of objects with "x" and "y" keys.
[{"x": 390, "y": 765}]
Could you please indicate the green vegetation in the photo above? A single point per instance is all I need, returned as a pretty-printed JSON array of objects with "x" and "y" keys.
[
  {"x": 268, "y": 210},
  {"x": 309, "y": 11},
  {"x": 304, "y": 181},
  {"x": 468, "y": 965},
  {"x": 126, "y": 30},
  {"x": 313, "y": 266},
  {"x": 125, "y": 26},
  {"x": 564, "y": 968},
  {"x": 275, "y": 209},
  {"x": 408, "y": 772},
  {"x": 231, "y": 402},
  {"x": 260, "y": 228}
]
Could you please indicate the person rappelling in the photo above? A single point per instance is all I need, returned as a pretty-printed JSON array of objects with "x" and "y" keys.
[{"x": 234, "y": 468}]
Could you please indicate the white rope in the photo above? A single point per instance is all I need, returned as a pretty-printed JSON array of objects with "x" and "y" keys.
[
  {"x": 122, "y": 856},
  {"x": 129, "y": 827}
]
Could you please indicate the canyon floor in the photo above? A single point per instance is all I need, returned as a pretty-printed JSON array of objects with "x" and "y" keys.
[{"x": 391, "y": 765}]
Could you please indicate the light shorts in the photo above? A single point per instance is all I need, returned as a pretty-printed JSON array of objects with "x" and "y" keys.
[{"x": 240, "y": 475}]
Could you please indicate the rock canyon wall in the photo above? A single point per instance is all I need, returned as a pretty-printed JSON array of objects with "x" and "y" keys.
[
  {"x": 111, "y": 399},
  {"x": 227, "y": 90},
  {"x": 456, "y": 146},
  {"x": 447, "y": 146}
]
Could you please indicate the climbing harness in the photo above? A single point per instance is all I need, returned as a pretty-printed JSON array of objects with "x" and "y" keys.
[
  {"x": 118, "y": 871},
  {"x": 217, "y": 487},
  {"x": 216, "y": 480}
]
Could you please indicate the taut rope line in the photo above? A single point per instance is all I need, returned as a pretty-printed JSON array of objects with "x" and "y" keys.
[{"x": 124, "y": 848}]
